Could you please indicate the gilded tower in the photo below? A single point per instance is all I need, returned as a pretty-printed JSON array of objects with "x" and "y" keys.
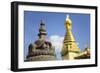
[{"x": 70, "y": 48}]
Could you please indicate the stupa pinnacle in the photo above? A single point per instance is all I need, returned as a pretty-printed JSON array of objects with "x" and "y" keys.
[
  {"x": 42, "y": 29},
  {"x": 70, "y": 48}
]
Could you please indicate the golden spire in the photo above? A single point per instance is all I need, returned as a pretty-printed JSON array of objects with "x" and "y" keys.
[
  {"x": 68, "y": 24},
  {"x": 70, "y": 48}
]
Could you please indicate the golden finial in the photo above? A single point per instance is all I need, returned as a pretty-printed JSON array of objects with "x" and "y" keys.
[{"x": 68, "y": 22}]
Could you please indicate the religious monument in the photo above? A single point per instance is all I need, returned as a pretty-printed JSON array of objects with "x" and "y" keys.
[
  {"x": 70, "y": 49},
  {"x": 41, "y": 49}
]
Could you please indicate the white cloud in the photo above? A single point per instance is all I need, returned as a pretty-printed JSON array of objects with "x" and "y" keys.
[{"x": 57, "y": 41}]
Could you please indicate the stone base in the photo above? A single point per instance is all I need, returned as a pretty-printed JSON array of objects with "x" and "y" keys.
[{"x": 41, "y": 58}]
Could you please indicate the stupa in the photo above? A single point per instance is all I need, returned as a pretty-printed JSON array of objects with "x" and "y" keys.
[
  {"x": 41, "y": 49},
  {"x": 70, "y": 48}
]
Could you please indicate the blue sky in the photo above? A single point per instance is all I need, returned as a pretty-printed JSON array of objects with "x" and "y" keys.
[{"x": 55, "y": 27}]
